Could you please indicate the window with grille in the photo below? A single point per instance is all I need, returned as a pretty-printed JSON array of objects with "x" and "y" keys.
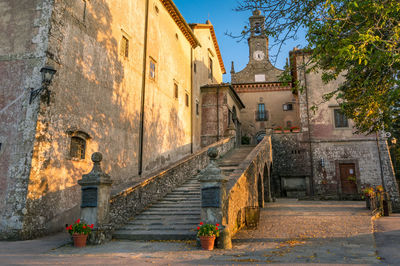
[
  {"x": 152, "y": 69},
  {"x": 124, "y": 51},
  {"x": 261, "y": 114},
  {"x": 176, "y": 91},
  {"x": 340, "y": 119},
  {"x": 78, "y": 148}
]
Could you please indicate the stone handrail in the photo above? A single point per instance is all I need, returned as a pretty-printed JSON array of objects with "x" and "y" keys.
[
  {"x": 135, "y": 199},
  {"x": 242, "y": 188}
]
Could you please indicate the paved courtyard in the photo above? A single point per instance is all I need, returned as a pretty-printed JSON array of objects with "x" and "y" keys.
[{"x": 291, "y": 232}]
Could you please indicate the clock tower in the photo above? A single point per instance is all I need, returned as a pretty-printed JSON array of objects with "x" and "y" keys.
[{"x": 259, "y": 68}]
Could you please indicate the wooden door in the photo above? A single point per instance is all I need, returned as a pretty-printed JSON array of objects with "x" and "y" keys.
[{"x": 348, "y": 178}]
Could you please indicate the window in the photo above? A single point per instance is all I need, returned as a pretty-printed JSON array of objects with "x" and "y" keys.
[
  {"x": 176, "y": 91},
  {"x": 197, "y": 107},
  {"x": 210, "y": 73},
  {"x": 78, "y": 148},
  {"x": 288, "y": 107},
  {"x": 340, "y": 118},
  {"x": 261, "y": 114},
  {"x": 152, "y": 69},
  {"x": 194, "y": 67},
  {"x": 187, "y": 99},
  {"x": 124, "y": 50}
]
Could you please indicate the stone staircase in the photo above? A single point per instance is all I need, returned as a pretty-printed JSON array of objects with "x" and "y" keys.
[{"x": 175, "y": 217}]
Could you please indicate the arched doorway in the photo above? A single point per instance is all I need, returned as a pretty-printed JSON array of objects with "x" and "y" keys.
[
  {"x": 259, "y": 136},
  {"x": 267, "y": 184}
]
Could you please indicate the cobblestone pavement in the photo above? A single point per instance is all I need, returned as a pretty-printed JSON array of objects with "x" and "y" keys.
[{"x": 291, "y": 232}]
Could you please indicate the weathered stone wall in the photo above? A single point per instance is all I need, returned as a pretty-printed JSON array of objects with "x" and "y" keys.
[
  {"x": 133, "y": 200},
  {"x": 291, "y": 165},
  {"x": 245, "y": 187},
  {"x": 23, "y": 43}
]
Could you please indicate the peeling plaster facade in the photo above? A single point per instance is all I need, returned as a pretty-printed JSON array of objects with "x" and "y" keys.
[{"x": 97, "y": 92}]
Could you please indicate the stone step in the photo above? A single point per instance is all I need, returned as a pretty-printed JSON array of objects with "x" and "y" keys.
[
  {"x": 162, "y": 222},
  {"x": 155, "y": 235},
  {"x": 187, "y": 217},
  {"x": 172, "y": 213},
  {"x": 167, "y": 227}
]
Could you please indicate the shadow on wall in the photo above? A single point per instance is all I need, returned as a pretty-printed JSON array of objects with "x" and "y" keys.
[{"x": 94, "y": 91}]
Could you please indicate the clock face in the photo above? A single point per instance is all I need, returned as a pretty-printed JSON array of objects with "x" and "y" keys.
[{"x": 258, "y": 55}]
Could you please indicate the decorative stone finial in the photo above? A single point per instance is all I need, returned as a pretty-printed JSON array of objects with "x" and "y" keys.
[
  {"x": 212, "y": 153},
  {"x": 257, "y": 12},
  {"x": 96, "y": 176},
  {"x": 97, "y": 157}
]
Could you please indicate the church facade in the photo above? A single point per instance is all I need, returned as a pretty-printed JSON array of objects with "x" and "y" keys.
[{"x": 315, "y": 154}]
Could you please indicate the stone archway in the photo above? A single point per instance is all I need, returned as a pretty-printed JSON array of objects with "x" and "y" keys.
[
  {"x": 260, "y": 191},
  {"x": 267, "y": 184}
]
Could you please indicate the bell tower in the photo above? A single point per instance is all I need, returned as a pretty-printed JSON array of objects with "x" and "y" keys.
[{"x": 258, "y": 40}]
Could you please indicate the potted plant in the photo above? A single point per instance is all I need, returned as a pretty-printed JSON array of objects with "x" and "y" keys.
[
  {"x": 295, "y": 129},
  {"x": 368, "y": 194},
  {"x": 286, "y": 130},
  {"x": 79, "y": 232},
  {"x": 207, "y": 234},
  {"x": 278, "y": 130}
]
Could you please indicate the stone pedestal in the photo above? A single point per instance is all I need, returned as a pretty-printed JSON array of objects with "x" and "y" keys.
[
  {"x": 95, "y": 203},
  {"x": 213, "y": 196}
]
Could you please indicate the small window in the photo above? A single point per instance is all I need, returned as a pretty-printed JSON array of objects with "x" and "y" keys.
[
  {"x": 78, "y": 148},
  {"x": 187, "y": 99},
  {"x": 210, "y": 73},
  {"x": 288, "y": 107},
  {"x": 197, "y": 108},
  {"x": 194, "y": 67},
  {"x": 124, "y": 47},
  {"x": 340, "y": 119},
  {"x": 176, "y": 91},
  {"x": 152, "y": 69}
]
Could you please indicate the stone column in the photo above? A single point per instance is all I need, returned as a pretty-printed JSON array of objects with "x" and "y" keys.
[
  {"x": 213, "y": 197},
  {"x": 95, "y": 203}
]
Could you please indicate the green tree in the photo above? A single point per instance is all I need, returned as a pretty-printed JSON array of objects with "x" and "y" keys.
[{"x": 359, "y": 39}]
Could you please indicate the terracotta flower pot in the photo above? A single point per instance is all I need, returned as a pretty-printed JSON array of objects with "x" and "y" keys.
[
  {"x": 207, "y": 242},
  {"x": 79, "y": 240}
]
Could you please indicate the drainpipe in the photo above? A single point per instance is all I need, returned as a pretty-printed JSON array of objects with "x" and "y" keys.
[
  {"x": 191, "y": 100},
  {"x": 143, "y": 92},
  {"x": 380, "y": 161},
  {"x": 309, "y": 131},
  {"x": 217, "y": 113}
]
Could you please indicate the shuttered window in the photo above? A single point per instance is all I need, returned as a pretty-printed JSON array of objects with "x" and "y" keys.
[
  {"x": 340, "y": 119},
  {"x": 78, "y": 148}
]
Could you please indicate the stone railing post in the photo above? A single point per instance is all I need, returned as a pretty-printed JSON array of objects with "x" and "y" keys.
[
  {"x": 213, "y": 196},
  {"x": 95, "y": 203}
]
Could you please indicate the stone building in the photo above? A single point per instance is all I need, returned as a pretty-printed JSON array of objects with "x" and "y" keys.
[
  {"x": 326, "y": 158},
  {"x": 127, "y": 84},
  {"x": 269, "y": 103}
]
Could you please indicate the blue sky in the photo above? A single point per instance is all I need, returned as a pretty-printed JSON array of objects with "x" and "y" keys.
[{"x": 225, "y": 19}]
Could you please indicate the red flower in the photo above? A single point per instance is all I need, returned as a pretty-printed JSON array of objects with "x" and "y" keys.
[
  {"x": 67, "y": 227},
  {"x": 217, "y": 225},
  {"x": 84, "y": 227},
  {"x": 91, "y": 226},
  {"x": 216, "y": 228},
  {"x": 198, "y": 227},
  {"x": 201, "y": 223},
  {"x": 78, "y": 221},
  {"x": 70, "y": 227}
]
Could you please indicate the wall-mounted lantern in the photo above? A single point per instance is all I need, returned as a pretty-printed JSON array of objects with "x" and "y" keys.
[{"x": 47, "y": 76}]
